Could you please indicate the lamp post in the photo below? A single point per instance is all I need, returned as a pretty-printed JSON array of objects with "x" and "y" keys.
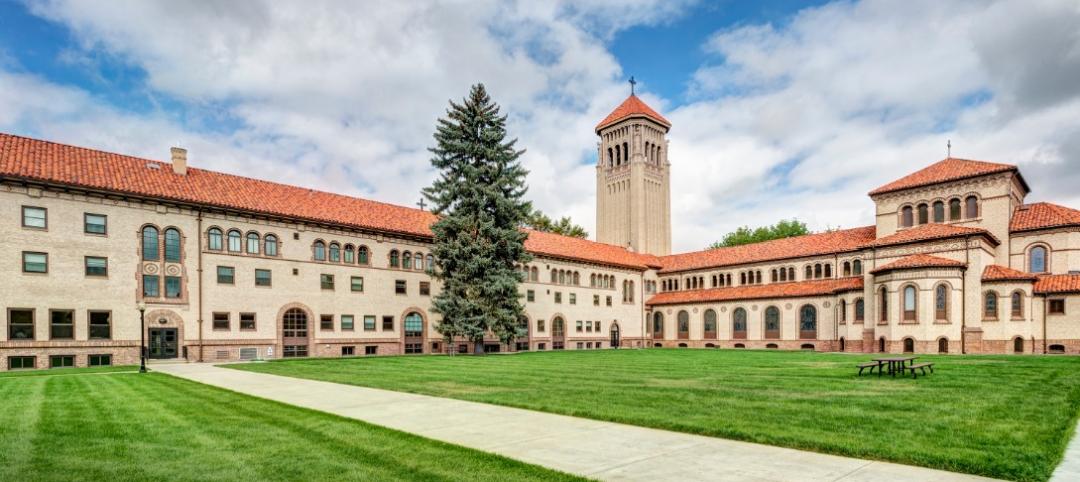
[{"x": 142, "y": 336}]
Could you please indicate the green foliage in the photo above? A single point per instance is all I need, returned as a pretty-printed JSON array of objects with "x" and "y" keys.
[
  {"x": 564, "y": 226},
  {"x": 744, "y": 235},
  {"x": 479, "y": 245}
]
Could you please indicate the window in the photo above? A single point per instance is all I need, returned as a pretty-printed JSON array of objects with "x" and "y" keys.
[
  {"x": 388, "y": 323},
  {"x": 61, "y": 324},
  {"x": 172, "y": 286},
  {"x": 263, "y": 277},
  {"x": 271, "y": 245},
  {"x": 61, "y": 361},
  {"x": 326, "y": 322},
  {"x": 573, "y": 298},
  {"x": 95, "y": 223},
  {"x": 406, "y": 260},
  {"x": 923, "y": 214},
  {"x": 939, "y": 212},
  {"x": 348, "y": 350},
  {"x": 96, "y": 266},
  {"x": 906, "y": 217},
  {"x": 772, "y": 322},
  {"x": 580, "y": 326},
  {"x": 99, "y": 360},
  {"x": 596, "y": 300},
  {"x": 608, "y": 301},
  {"x": 808, "y": 322},
  {"x": 990, "y": 306},
  {"x": 100, "y": 325},
  {"x": 954, "y": 209},
  {"x": 910, "y": 303},
  {"x": 20, "y": 324},
  {"x": 429, "y": 263},
  {"x": 214, "y": 239},
  {"x": 221, "y": 321},
  {"x": 860, "y": 310},
  {"x": 226, "y": 275},
  {"x": 253, "y": 242},
  {"x": 972, "y": 203},
  {"x": 151, "y": 286},
  {"x": 369, "y": 323},
  {"x": 842, "y": 308},
  {"x": 425, "y": 288},
  {"x": 558, "y": 297},
  {"x": 35, "y": 262},
  {"x": 356, "y": 284},
  {"x": 294, "y": 351},
  {"x": 710, "y": 324},
  {"x": 347, "y": 254},
  {"x": 400, "y": 287},
  {"x": 247, "y": 321},
  {"x": 1017, "y": 310},
  {"x": 1038, "y": 259},
  {"x": 319, "y": 251},
  {"x": 234, "y": 241},
  {"x": 943, "y": 343},
  {"x": 34, "y": 217},
  {"x": 394, "y": 259},
  {"x": 856, "y": 267},
  {"x": 150, "y": 243},
  {"x": 362, "y": 255},
  {"x": 941, "y": 303},
  {"x": 683, "y": 325},
  {"x": 294, "y": 324},
  {"x": 738, "y": 323},
  {"x": 884, "y": 302},
  {"x": 347, "y": 323},
  {"x": 530, "y": 296},
  {"x": 1057, "y": 307},
  {"x": 172, "y": 245},
  {"x": 335, "y": 253},
  {"x": 540, "y": 326},
  {"x": 371, "y": 350},
  {"x": 22, "y": 362},
  {"x": 418, "y": 262},
  {"x": 326, "y": 281}
]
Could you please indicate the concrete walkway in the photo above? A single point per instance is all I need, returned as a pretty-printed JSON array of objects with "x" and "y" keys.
[
  {"x": 599, "y": 450},
  {"x": 1069, "y": 469}
]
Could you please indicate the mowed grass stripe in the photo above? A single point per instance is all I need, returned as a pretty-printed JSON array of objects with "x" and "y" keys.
[{"x": 1000, "y": 416}]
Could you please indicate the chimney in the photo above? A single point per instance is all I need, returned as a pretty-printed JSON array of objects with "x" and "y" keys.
[{"x": 179, "y": 160}]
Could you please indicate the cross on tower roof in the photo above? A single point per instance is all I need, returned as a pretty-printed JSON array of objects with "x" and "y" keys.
[
  {"x": 421, "y": 204},
  {"x": 632, "y": 84}
]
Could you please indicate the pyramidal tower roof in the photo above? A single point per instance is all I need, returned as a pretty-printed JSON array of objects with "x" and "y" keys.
[{"x": 632, "y": 107}]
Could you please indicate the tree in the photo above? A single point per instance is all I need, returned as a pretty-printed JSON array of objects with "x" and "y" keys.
[
  {"x": 564, "y": 226},
  {"x": 479, "y": 196},
  {"x": 744, "y": 235}
]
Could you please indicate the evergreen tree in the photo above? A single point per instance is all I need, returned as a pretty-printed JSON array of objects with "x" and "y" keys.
[{"x": 479, "y": 246}]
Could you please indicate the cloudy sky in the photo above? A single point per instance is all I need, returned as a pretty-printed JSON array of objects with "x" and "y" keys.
[{"x": 780, "y": 108}]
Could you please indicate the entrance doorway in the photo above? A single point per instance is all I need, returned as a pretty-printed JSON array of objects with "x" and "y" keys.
[
  {"x": 558, "y": 333},
  {"x": 163, "y": 343},
  {"x": 294, "y": 333},
  {"x": 614, "y": 335}
]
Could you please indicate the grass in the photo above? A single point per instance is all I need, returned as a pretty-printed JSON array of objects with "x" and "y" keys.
[
  {"x": 132, "y": 427},
  {"x": 999, "y": 416}
]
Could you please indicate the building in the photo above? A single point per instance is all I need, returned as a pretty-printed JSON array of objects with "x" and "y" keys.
[{"x": 226, "y": 267}]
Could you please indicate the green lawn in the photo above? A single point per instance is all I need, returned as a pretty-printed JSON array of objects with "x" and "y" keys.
[
  {"x": 67, "y": 425},
  {"x": 1000, "y": 416}
]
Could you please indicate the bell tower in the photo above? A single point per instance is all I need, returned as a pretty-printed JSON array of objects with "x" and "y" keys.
[{"x": 633, "y": 193}]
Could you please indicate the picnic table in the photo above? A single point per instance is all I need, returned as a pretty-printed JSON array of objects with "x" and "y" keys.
[{"x": 895, "y": 364}]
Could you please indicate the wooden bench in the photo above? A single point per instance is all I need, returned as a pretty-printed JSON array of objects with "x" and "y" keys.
[
  {"x": 871, "y": 365},
  {"x": 922, "y": 367}
]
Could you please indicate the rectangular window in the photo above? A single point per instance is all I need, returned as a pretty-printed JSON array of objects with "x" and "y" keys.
[
  {"x": 399, "y": 287},
  {"x": 388, "y": 323},
  {"x": 294, "y": 351},
  {"x": 100, "y": 325},
  {"x": 95, "y": 223},
  {"x": 61, "y": 361},
  {"x": 226, "y": 275},
  {"x": 326, "y": 322},
  {"x": 96, "y": 266},
  {"x": 20, "y": 324},
  {"x": 371, "y": 350},
  {"x": 425, "y": 288},
  {"x": 22, "y": 362},
  {"x": 61, "y": 324},
  {"x": 609, "y": 301},
  {"x": 579, "y": 326},
  {"x": 530, "y": 296},
  {"x": 588, "y": 326},
  {"x": 150, "y": 285},
  {"x": 35, "y": 217},
  {"x": 580, "y": 345},
  {"x": 1057, "y": 307},
  {"x": 573, "y": 298},
  {"x": 99, "y": 360},
  {"x": 356, "y": 284},
  {"x": 596, "y": 300},
  {"x": 247, "y": 321},
  {"x": 369, "y": 323},
  {"x": 221, "y": 321},
  {"x": 263, "y": 277},
  {"x": 348, "y": 350},
  {"x": 558, "y": 297},
  {"x": 540, "y": 326},
  {"x": 347, "y": 323},
  {"x": 172, "y": 286},
  {"x": 326, "y": 281},
  {"x": 35, "y": 262}
]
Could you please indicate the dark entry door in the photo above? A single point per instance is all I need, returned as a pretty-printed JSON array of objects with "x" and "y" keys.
[
  {"x": 163, "y": 343},
  {"x": 614, "y": 335}
]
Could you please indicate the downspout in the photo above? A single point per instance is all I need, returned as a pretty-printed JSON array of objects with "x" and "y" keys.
[
  {"x": 199, "y": 220},
  {"x": 1045, "y": 302},
  {"x": 963, "y": 296}
]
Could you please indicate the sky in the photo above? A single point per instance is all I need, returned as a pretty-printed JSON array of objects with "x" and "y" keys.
[{"x": 780, "y": 109}]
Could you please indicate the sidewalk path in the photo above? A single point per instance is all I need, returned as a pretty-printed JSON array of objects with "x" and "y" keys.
[
  {"x": 590, "y": 448},
  {"x": 1069, "y": 469}
]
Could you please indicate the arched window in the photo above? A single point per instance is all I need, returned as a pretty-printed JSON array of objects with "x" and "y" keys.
[
  {"x": 413, "y": 325},
  {"x": 972, "y": 207},
  {"x": 881, "y": 344},
  {"x": 684, "y": 325},
  {"x": 943, "y": 345},
  {"x": 577, "y": 278},
  {"x": 808, "y": 322},
  {"x": 172, "y": 245},
  {"x": 271, "y": 245},
  {"x": 430, "y": 262},
  {"x": 631, "y": 291},
  {"x": 758, "y": 277},
  {"x": 817, "y": 271},
  {"x": 939, "y": 212},
  {"x": 554, "y": 276},
  {"x": 1037, "y": 257},
  {"x": 294, "y": 323},
  {"x": 592, "y": 280},
  {"x": 535, "y": 276},
  {"x": 335, "y": 252},
  {"x": 842, "y": 308},
  {"x": 150, "y": 244},
  {"x": 941, "y": 303},
  {"x": 742, "y": 278},
  {"x": 856, "y": 267},
  {"x": 320, "y": 251},
  {"x": 883, "y": 300},
  {"x": 906, "y": 217},
  {"x": 362, "y": 255},
  {"x": 710, "y": 324},
  {"x": 954, "y": 214},
  {"x": 253, "y": 242},
  {"x": 847, "y": 268},
  {"x": 990, "y": 306},
  {"x": 234, "y": 241},
  {"x": 1017, "y": 308},
  {"x": 418, "y": 261},
  {"x": 394, "y": 260},
  {"x": 774, "y": 278},
  {"x": 406, "y": 260},
  {"x": 558, "y": 327},
  {"x": 924, "y": 216},
  {"x": 909, "y": 345},
  {"x": 860, "y": 310},
  {"x": 910, "y": 303},
  {"x": 783, "y": 274},
  {"x": 772, "y": 322},
  {"x": 738, "y": 324},
  {"x": 842, "y": 344},
  {"x": 348, "y": 253},
  {"x": 828, "y": 270},
  {"x": 562, "y": 277},
  {"x": 1018, "y": 345},
  {"x": 214, "y": 239},
  {"x": 809, "y": 272},
  {"x": 658, "y": 325},
  {"x": 791, "y": 274}
]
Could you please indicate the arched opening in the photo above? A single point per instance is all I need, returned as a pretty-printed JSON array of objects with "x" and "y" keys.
[
  {"x": 558, "y": 333},
  {"x": 909, "y": 345},
  {"x": 658, "y": 325},
  {"x": 710, "y": 345},
  {"x": 842, "y": 344},
  {"x": 954, "y": 209},
  {"x": 658, "y": 345},
  {"x": 414, "y": 333},
  {"x": 939, "y": 212},
  {"x": 738, "y": 324},
  {"x": 1018, "y": 345},
  {"x": 910, "y": 303},
  {"x": 682, "y": 345},
  {"x": 772, "y": 346},
  {"x": 943, "y": 345},
  {"x": 1057, "y": 349},
  {"x": 294, "y": 333},
  {"x": 972, "y": 203},
  {"x": 807, "y": 346},
  {"x": 941, "y": 302},
  {"x": 907, "y": 218},
  {"x": 710, "y": 324},
  {"x": 772, "y": 322},
  {"x": 808, "y": 322},
  {"x": 881, "y": 345},
  {"x": 150, "y": 244},
  {"x": 684, "y": 325},
  {"x": 740, "y": 345},
  {"x": 923, "y": 214},
  {"x": 1037, "y": 257},
  {"x": 614, "y": 331}
]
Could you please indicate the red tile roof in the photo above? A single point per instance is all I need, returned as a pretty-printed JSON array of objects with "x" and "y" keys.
[
  {"x": 1058, "y": 283},
  {"x": 818, "y": 244},
  {"x": 996, "y": 272},
  {"x": 927, "y": 232},
  {"x": 60, "y": 164},
  {"x": 756, "y": 292},
  {"x": 1042, "y": 216},
  {"x": 632, "y": 107},
  {"x": 949, "y": 169},
  {"x": 916, "y": 261}
]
